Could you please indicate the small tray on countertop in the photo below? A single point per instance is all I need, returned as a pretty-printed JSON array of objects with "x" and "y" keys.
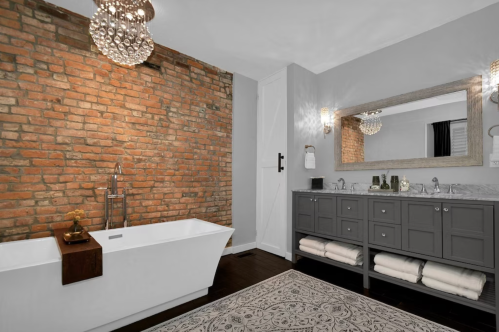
[{"x": 381, "y": 190}]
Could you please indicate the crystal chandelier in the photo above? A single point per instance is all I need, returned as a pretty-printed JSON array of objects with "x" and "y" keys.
[
  {"x": 119, "y": 30},
  {"x": 370, "y": 123}
]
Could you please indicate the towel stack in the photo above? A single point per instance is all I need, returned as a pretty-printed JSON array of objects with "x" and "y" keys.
[
  {"x": 344, "y": 252},
  {"x": 454, "y": 280},
  {"x": 338, "y": 251},
  {"x": 314, "y": 245},
  {"x": 401, "y": 267}
]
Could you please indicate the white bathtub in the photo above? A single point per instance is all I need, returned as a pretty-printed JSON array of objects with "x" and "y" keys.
[{"x": 147, "y": 270}]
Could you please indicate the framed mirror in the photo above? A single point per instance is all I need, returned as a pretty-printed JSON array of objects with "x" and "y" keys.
[{"x": 435, "y": 127}]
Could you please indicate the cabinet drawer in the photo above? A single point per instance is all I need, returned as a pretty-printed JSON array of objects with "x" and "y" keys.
[
  {"x": 469, "y": 233},
  {"x": 350, "y": 229},
  {"x": 387, "y": 235},
  {"x": 350, "y": 207},
  {"x": 384, "y": 210}
]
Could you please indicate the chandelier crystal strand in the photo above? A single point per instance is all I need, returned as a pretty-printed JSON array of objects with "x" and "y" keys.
[
  {"x": 370, "y": 124},
  {"x": 119, "y": 29}
]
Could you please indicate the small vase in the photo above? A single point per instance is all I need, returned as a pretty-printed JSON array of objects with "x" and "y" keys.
[
  {"x": 384, "y": 185},
  {"x": 395, "y": 182},
  {"x": 76, "y": 228},
  {"x": 404, "y": 184}
]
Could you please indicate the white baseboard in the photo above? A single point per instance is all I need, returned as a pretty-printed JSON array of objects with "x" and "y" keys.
[
  {"x": 227, "y": 251},
  {"x": 288, "y": 256},
  {"x": 243, "y": 247}
]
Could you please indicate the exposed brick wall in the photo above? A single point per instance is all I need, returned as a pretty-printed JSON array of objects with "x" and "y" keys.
[
  {"x": 68, "y": 114},
  {"x": 352, "y": 140}
]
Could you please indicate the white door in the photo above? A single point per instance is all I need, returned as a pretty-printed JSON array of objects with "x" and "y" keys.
[{"x": 271, "y": 181}]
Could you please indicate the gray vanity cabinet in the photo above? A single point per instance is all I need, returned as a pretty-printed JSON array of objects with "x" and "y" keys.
[
  {"x": 325, "y": 210},
  {"x": 454, "y": 231},
  {"x": 422, "y": 227},
  {"x": 468, "y": 233},
  {"x": 304, "y": 217}
]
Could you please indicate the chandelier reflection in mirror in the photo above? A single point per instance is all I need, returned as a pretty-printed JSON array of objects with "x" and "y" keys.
[
  {"x": 370, "y": 123},
  {"x": 119, "y": 29}
]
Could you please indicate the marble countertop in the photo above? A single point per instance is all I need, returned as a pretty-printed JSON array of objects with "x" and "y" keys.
[{"x": 465, "y": 196}]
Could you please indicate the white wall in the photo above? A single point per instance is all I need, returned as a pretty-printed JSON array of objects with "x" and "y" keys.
[{"x": 244, "y": 160}]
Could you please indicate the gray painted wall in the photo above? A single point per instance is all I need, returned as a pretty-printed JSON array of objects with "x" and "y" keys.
[
  {"x": 403, "y": 135},
  {"x": 303, "y": 129},
  {"x": 244, "y": 160},
  {"x": 457, "y": 50}
]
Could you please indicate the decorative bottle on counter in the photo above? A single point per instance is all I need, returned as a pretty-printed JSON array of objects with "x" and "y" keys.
[
  {"x": 384, "y": 185},
  {"x": 404, "y": 184},
  {"x": 394, "y": 183}
]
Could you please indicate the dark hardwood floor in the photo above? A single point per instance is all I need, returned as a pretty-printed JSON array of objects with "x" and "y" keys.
[{"x": 236, "y": 272}]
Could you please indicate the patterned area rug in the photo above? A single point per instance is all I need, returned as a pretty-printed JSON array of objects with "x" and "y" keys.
[{"x": 293, "y": 301}]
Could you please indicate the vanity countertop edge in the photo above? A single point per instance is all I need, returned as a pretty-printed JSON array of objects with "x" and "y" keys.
[{"x": 464, "y": 197}]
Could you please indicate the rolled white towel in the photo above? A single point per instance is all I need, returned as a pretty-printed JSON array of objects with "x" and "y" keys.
[
  {"x": 444, "y": 287},
  {"x": 346, "y": 250},
  {"x": 397, "y": 274},
  {"x": 343, "y": 259},
  {"x": 455, "y": 276},
  {"x": 314, "y": 242},
  {"x": 400, "y": 263},
  {"x": 313, "y": 251}
]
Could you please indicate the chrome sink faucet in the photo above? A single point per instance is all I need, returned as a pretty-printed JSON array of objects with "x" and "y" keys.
[
  {"x": 451, "y": 189},
  {"x": 343, "y": 186},
  {"x": 437, "y": 185},
  {"x": 423, "y": 189}
]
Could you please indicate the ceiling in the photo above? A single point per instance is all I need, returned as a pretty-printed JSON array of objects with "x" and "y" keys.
[{"x": 258, "y": 37}]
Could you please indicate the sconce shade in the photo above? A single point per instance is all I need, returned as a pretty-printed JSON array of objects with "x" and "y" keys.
[
  {"x": 494, "y": 73},
  {"x": 325, "y": 118}
]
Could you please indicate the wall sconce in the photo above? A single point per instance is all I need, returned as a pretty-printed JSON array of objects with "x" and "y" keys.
[
  {"x": 494, "y": 80},
  {"x": 326, "y": 120}
]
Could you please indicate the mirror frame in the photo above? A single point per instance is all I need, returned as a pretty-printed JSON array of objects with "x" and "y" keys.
[{"x": 473, "y": 87}]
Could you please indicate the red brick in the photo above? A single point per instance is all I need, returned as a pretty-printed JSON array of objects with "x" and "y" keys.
[{"x": 71, "y": 114}]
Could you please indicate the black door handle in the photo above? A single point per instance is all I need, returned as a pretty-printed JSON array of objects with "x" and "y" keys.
[{"x": 279, "y": 167}]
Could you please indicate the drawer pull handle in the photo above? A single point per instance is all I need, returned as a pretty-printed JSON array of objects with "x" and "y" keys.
[
  {"x": 446, "y": 209},
  {"x": 383, "y": 234},
  {"x": 384, "y": 211},
  {"x": 349, "y": 208},
  {"x": 311, "y": 199},
  {"x": 315, "y": 200},
  {"x": 348, "y": 229},
  {"x": 437, "y": 209}
]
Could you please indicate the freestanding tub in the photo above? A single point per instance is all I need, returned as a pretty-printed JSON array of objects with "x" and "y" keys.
[{"x": 147, "y": 269}]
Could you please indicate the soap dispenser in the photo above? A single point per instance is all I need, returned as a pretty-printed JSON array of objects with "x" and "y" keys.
[{"x": 404, "y": 184}]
